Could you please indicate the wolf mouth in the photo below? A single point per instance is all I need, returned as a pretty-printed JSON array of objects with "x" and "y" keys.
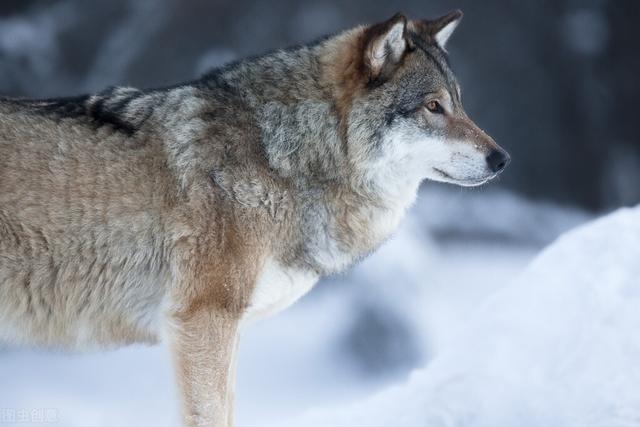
[
  {"x": 444, "y": 174},
  {"x": 464, "y": 182}
]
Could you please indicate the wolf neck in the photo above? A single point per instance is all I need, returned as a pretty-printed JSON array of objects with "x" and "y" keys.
[
  {"x": 295, "y": 104},
  {"x": 294, "y": 111}
]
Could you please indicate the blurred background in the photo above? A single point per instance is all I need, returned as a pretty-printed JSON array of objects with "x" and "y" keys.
[{"x": 554, "y": 82}]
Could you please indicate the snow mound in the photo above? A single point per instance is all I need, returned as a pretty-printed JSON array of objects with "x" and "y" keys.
[{"x": 559, "y": 346}]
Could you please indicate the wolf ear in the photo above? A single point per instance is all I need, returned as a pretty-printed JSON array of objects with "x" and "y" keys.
[
  {"x": 386, "y": 44},
  {"x": 439, "y": 30}
]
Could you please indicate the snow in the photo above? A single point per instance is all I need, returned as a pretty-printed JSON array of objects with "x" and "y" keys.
[
  {"x": 414, "y": 303},
  {"x": 559, "y": 346}
]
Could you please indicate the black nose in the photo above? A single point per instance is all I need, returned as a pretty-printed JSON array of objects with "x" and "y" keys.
[{"x": 498, "y": 160}]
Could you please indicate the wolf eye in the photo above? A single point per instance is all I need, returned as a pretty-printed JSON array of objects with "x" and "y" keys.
[{"x": 435, "y": 107}]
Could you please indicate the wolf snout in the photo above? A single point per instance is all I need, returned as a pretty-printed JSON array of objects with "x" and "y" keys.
[{"x": 498, "y": 160}]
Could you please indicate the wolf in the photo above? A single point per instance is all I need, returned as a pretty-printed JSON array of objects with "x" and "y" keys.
[{"x": 178, "y": 215}]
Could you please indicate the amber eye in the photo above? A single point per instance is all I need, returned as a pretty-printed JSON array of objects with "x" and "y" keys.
[{"x": 435, "y": 107}]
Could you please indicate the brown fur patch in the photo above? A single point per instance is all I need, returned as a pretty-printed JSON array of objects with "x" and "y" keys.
[
  {"x": 462, "y": 128},
  {"x": 344, "y": 71}
]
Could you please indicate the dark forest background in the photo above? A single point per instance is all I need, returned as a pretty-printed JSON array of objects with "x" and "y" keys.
[{"x": 555, "y": 82}]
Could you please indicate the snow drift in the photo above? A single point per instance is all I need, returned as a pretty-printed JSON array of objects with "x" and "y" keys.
[{"x": 560, "y": 346}]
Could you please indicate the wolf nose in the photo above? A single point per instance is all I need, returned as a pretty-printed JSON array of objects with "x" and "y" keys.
[{"x": 498, "y": 160}]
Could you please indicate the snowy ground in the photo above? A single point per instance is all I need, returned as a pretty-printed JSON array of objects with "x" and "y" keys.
[
  {"x": 557, "y": 347},
  {"x": 404, "y": 308}
]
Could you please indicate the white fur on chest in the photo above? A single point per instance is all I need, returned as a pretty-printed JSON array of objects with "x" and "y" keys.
[
  {"x": 278, "y": 288},
  {"x": 385, "y": 221}
]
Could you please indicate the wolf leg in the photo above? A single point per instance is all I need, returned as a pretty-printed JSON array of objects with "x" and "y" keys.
[{"x": 203, "y": 346}]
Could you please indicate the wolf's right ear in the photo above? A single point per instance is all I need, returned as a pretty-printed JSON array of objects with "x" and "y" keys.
[{"x": 386, "y": 44}]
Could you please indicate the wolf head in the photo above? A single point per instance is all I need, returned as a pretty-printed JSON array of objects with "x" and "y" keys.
[{"x": 403, "y": 110}]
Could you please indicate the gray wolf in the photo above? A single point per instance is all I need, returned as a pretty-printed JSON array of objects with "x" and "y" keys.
[{"x": 180, "y": 214}]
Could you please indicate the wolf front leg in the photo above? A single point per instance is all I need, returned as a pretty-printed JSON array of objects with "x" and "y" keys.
[
  {"x": 204, "y": 346},
  {"x": 214, "y": 279}
]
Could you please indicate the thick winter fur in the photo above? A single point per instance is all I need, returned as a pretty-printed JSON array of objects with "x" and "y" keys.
[{"x": 179, "y": 214}]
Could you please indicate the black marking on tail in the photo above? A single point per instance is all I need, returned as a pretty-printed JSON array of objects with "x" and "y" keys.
[
  {"x": 108, "y": 108},
  {"x": 102, "y": 114}
]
